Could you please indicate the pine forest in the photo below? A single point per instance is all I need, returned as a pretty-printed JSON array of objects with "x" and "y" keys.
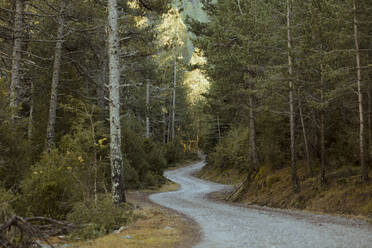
[{"x": 185, "y": 123}]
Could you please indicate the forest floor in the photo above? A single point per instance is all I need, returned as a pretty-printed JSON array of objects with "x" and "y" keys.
[
  {"x": 227, "y": 225},
  {"x": 343, "y": 195},
  {"x": 156, "y": 227}
]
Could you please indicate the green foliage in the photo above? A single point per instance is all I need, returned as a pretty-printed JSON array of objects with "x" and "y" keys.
[
  {"x": 145, "y": 159},
  {"x": 244, "y": 43},
  {"x": 233, "y": 151},
  {"x": 65, "y": 181},
  {"x": 49, "y": 189},
  {"x": 101, "y": 218},
  {"x": 15, "y": 156},
  {"x": 175, "y": 151},
  {"x": 273, "y": 140}
]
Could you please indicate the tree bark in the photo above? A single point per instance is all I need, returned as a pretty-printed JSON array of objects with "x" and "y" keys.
[
  {"x": 15, "y": 86},
  {"x": 31, "y": 114},
  {"x": 169, "y": 122},
  {"x": 323, "y": 179},
  {"x": 116, "y": 158},
  {"x": 100, "y": 90},
  {"x": 219, "y": 129},
  {"x": 295, "y": 183},
  {"x": 164, "y": 127},
  {"x": 148, "y": 109},
  {"x": 369, "y": 96},
  {"x": 252, "y": 133},
  {"x": 174, "y": 97},
  {"x": 364, "y": 172},
  {"x": 55, "y": 80},
  {"x": 304, "y": 132}
]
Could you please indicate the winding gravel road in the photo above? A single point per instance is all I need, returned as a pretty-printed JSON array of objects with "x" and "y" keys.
[{"x": 227, "y": 226}]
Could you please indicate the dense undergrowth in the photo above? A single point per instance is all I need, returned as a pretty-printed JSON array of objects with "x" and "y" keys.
[{"x": 72, "y": 181}]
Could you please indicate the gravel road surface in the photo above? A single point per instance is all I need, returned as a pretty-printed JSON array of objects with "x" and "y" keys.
[{"x": 228, "y": 226}]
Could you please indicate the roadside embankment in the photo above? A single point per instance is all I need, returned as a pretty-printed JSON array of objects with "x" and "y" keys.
[{"x": 344, "y": 194}]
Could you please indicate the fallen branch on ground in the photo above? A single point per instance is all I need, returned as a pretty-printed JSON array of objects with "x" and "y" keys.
[{"x": 31, "y": 230}]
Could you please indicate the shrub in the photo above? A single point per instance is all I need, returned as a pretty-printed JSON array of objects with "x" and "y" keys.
[
  {"x": 15, "y": 156},
  {"x": 131, "y": 178},
  {"x": 145, "y": 160},
  {"x": 100, "y": 219},
  {"x": 233, "y": 151},
  {"x": 49, "y": 189},
  {"x": 175, "y": 151}
]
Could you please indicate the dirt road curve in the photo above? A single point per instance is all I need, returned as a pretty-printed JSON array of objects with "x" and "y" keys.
[{"x": 226, "y": 226}]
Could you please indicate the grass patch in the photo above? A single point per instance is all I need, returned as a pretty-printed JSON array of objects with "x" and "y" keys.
[{"x": 156, "y": 229}]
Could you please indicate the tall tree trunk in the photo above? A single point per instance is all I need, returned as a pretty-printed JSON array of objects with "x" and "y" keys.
[
  {"x": 197, "y": 136},
  {"x": 169, "y": 122},
  {"x": 369, "y": 95},
  {"x": 55, "y": 80},
  {"x": 323, "y": 179},
  {"x": 364, "y": 172},
  {"x": 31, "y": 113},
  {"x": 174, "y": 97},
  {"x": 100, "y": 90},
  {"x": 369, "y": 99},
  {"x": 16, "y": 61},
  {"x": 30, "y": 81},
  {"x": 304, "y": 132},
  {"x": 165, "y": 123},
  {"x": 252, "y": 132},
  {"x": 219, "y": 129},
  {"x": 116, "y": 158},
  {"x": 164, "y": 127},
  {"x": 296, "y": 187},
  {"x": 148, "y": 109}
]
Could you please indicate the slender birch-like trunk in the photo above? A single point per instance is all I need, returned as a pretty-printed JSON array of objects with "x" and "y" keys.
[
  {"x": 295, "y": 183},
  {"x": 116, "y": 158},
  {"x": 16, "y": 61},
  {"x": 148, "y": 109},
  {"x": 252, "y": 133},
  {"x": 55, "y": 80},
  {"x": 369, "y": 131},
  {"x": 164, "y": 128},
  {"x": 219, "y": 129},
  {"x": 364, "y": 172},
  {"x": 163, "y": 112},
  {"x": 174, "y": 82},
  {"x": 174, "y": 97},
  {"x": 369, "y": 116},
  {"x": 304, "y": 132},
  {"x": 31, "y": 114},
  {"x": 323, "y": 179},
  {"x": 100, "y": 90},
  {"x": 169, "y": 127},
  {"x": 95, "y": 162}
]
